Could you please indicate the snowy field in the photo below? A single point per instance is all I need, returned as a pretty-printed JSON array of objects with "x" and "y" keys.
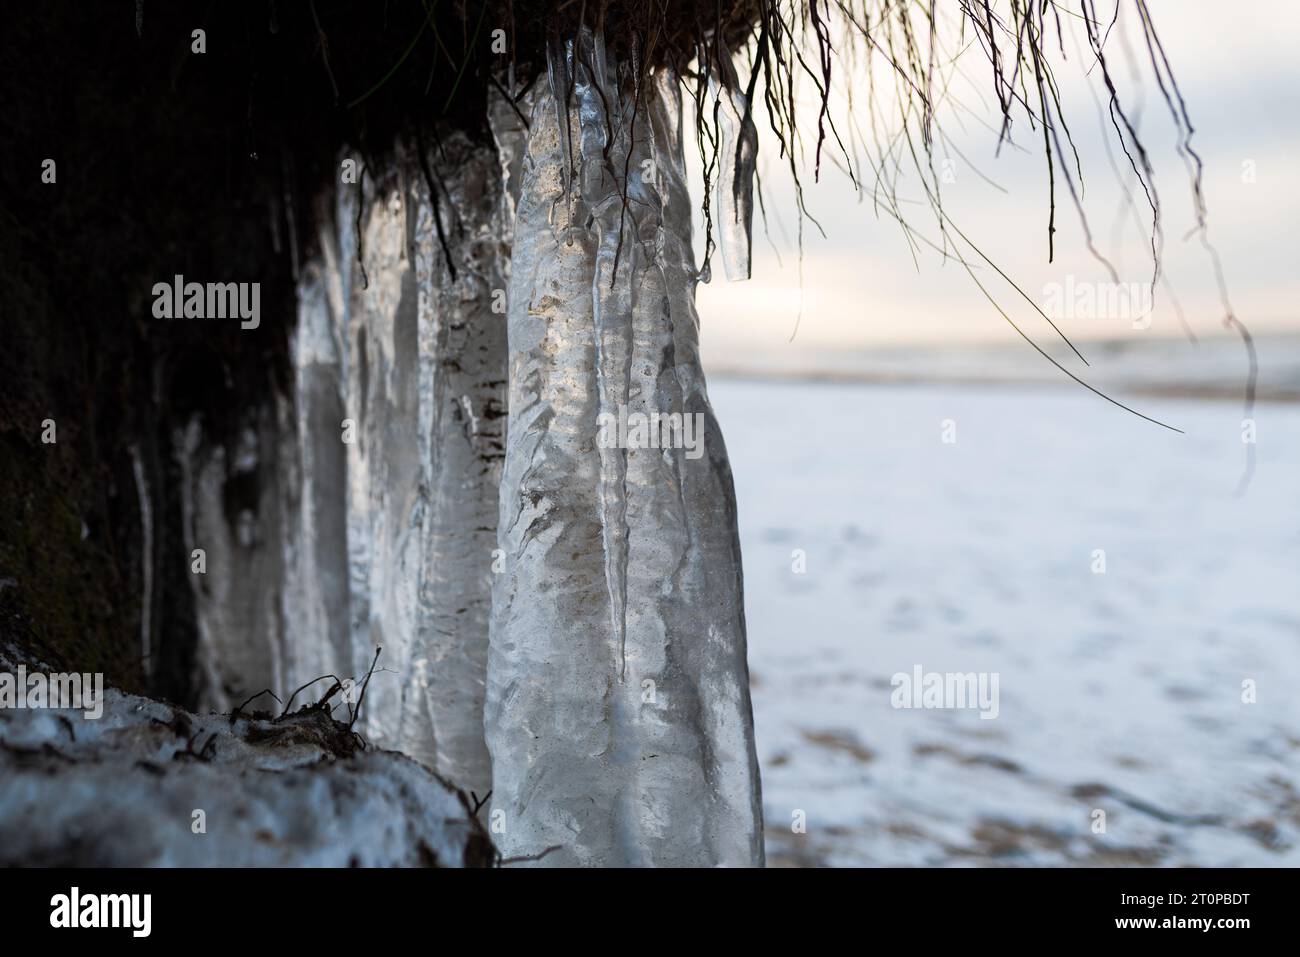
[{"x": 1120, "y": 692}]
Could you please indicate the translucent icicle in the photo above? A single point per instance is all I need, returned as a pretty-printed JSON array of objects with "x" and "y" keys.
[
  {"x": 383, "y": 456},
  {"x": 737, "y": 155},
  {"x": 559, "y": 73},
  {"x": 462, "y": 347},
  {"x": 146, "y": 561},
  {"x": 381, "y": 465},
  {"x": 231, "y": 506},
  {"x": 658, "y": 768},
  {"x": 615, "y": 246},
  {"x": 315, "y": 597}
]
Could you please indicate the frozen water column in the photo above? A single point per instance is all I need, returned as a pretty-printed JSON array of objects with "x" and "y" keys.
[
  {"x": 618, "y": 712},
  {"x": 367, "y": 499},
  {"x": 462, "y": 387},
  {"x": 399, "y": 377},
  {"x": 426, "y": 388}
]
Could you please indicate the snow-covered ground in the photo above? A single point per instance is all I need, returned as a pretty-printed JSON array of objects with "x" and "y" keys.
[{"x": 1120, "y": 691}]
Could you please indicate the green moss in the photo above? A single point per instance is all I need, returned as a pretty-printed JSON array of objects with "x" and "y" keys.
[{"x": 65, "y": 589}]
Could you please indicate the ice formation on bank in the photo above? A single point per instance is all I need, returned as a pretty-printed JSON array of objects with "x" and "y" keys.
[{"x": 361, "y": 511}]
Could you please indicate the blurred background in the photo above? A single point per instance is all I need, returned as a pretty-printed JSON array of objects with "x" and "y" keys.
[{"x": 918, "y": 486}]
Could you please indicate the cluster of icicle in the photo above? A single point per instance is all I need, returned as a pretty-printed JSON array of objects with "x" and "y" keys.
[
  {"x": 562, "y": 623},
  {"x": 373, "y": 516}
]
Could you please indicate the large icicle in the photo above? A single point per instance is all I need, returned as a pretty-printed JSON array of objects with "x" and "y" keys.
[
  {"x": 618, "y": 712},
  {"x": 383, "y": 449},
  {"x": 316, "y": 639},
  {"x": 424, "y": 389},
  {"x": 462, "y": 387}
]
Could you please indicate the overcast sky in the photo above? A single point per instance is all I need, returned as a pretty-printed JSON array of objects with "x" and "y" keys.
[{"x": 1237, "y": 66}]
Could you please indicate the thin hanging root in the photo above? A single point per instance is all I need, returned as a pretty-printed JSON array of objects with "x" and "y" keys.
[
  {"x": 360, "y": 232},
  {"x": 1039, "y": 349},
  {"x": 1021, "y": 79},
  {"x": 324, "y": 50},
  {"x": 1232, "y": 322},
  {"x": 433, "y": 200}
]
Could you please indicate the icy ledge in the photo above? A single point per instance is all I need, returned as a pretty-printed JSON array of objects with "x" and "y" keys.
[{"x": 299, "y": 790}]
